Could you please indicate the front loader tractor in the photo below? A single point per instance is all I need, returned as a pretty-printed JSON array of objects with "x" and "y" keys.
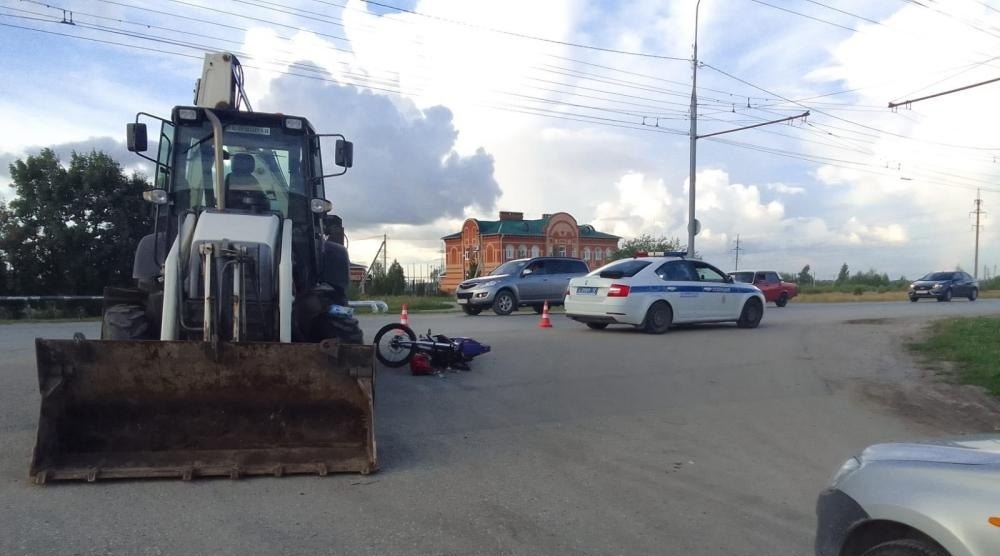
[{"x": 235, "y": 353}]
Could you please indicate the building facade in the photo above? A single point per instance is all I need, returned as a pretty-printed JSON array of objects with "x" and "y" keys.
[{"x": 486, "y": 244}]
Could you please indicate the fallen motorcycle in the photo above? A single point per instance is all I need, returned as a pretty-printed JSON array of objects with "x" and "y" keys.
[{"x": 396, "y": 345}]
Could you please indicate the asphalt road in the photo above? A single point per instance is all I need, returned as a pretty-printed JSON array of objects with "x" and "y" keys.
[{"x": 707, "y": 440}]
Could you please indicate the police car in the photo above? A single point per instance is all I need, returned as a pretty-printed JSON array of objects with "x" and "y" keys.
[{"x": 656, "y": 290}]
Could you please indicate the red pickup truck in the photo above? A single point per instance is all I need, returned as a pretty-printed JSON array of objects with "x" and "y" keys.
[{"x": 769, "y": 283}]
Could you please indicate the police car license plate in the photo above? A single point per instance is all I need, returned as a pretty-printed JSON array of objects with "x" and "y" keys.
[{"x": 586, "y": 291}]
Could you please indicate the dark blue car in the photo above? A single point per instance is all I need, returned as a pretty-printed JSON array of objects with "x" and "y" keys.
[{"x": 945, "y": 285}]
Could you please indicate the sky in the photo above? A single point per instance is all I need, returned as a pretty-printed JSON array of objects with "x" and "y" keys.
[{"x": 463, "y": 108}]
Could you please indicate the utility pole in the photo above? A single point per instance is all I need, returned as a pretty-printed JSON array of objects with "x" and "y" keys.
[
  {"x": 385, "y": 253},
  {"x": 978, "y": 212},
  {"x": 692, "y": 223},
  {"x": 737, "y": 249}
]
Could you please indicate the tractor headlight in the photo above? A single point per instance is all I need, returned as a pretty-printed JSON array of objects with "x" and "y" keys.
[{"x": 320, "y": 206}]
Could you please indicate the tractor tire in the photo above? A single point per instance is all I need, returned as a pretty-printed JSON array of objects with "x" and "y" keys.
[
  {"x": 343, "y": 328},
  {"x": 125, "y": 322}
]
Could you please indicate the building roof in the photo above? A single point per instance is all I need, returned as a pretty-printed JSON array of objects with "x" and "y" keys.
[{"x": 527, "y": 228}]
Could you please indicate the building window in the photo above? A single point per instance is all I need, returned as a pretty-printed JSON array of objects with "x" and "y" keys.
[
  {"x": 575, "y": 252},
  {"x": 535, "y": 251},
  {"x": 561, "y": 251},
  {"x": 510, "y": 252},
  {"x": 522, "y": 251},
  {"x": 586, "y": 253},
  {"x": 598, "y": 254},
  {"x": 607, "y": 253}
]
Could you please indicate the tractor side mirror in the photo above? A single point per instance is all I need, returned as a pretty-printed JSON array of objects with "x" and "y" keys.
[
  {"x": 135, "y": 137},
  {"x": 344, "y": 156}
]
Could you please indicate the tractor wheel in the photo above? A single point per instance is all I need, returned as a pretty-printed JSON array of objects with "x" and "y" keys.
[
  {"x": 342, "y": 327},
  {"x": 125, "y": 322}
]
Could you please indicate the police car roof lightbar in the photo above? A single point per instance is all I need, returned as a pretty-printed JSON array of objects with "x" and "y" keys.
[{"x": 680, "y": 254}]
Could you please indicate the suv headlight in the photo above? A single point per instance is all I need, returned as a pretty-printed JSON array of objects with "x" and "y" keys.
[
  {"x": 490, "y": 283},
  {"x": 849, "y": 467}
]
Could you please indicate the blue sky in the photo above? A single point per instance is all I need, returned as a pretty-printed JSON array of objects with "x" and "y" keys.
[{"x": 526, "y": 125}]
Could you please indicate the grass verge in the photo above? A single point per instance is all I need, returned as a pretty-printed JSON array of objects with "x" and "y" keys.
[
  {"x": 846, "y": 297},
  {"x": 973, "y": 343}
]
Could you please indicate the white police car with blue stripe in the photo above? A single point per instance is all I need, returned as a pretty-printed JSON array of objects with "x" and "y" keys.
[{"x": 658, "y": 290}]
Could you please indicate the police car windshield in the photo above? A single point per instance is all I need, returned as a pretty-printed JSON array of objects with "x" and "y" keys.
[{"x": 627, "y": 267}]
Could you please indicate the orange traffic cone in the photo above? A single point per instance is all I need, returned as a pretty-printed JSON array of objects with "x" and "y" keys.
[
  {"x": 404, "y": 317},
  {"x": 546, "y": 323}
]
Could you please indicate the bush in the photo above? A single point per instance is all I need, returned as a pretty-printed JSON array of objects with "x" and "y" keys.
[{"x": 859, "y": 290}]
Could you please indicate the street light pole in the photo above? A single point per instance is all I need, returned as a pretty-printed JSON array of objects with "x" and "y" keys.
[{"x": 694, "y": 136}]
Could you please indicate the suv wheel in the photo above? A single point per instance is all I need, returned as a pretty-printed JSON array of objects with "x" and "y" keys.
[
  {"x": 504, "y": 303},
  {"x": 471, "y": 310},
  {"x": 538, "y": 308}
]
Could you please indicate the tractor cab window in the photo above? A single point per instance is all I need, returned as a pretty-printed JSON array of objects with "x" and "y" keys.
[{"x": 262, "y": 168}]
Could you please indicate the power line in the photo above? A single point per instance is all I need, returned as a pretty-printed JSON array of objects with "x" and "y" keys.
[
  {"x": 526, "y": 36},
  {"x": 865, "y": 126},
  {"x": 852, "y": 29}
]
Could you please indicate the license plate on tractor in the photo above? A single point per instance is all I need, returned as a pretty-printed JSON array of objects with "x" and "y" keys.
[{"x": 586, "y": 291}]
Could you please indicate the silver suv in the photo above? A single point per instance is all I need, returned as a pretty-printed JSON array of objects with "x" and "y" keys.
[{"x": 518, "y": 283}]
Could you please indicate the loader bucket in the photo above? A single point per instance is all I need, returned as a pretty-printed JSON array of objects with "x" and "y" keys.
[{"x": 130, "y": 409}]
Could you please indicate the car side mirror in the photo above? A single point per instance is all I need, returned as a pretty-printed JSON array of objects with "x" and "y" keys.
[
  {"x": 135, "y": 137},
  {"x": 730, "y": 280},
  {"x": 344, "y": 154}
]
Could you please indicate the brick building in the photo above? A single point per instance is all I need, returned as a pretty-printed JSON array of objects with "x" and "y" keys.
[{"x": 488, "y": 243}]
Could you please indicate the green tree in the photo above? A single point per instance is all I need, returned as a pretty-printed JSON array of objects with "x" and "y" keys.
[
  {"x": 72, "y": 230},
  {"x": 804, "y": 276},
  {"x": 395, "y": 280},
  {"x": 376, "y": 284},
  {"x": 844, "y": 275},
  {"x": 473, "y": 269},
  {"x": 646, "y": 242}
]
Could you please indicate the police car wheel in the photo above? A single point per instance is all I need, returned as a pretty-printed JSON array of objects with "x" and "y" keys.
[
  {"x": 658, "y": 318},
  {"x": 753, "y": 311}
]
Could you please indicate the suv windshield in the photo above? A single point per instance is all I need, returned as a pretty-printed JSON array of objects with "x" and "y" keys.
[
  {"x": 512, "y": 267},
  {"x": 262, "y": 167},
  {"x": 938, "y": 276}
]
